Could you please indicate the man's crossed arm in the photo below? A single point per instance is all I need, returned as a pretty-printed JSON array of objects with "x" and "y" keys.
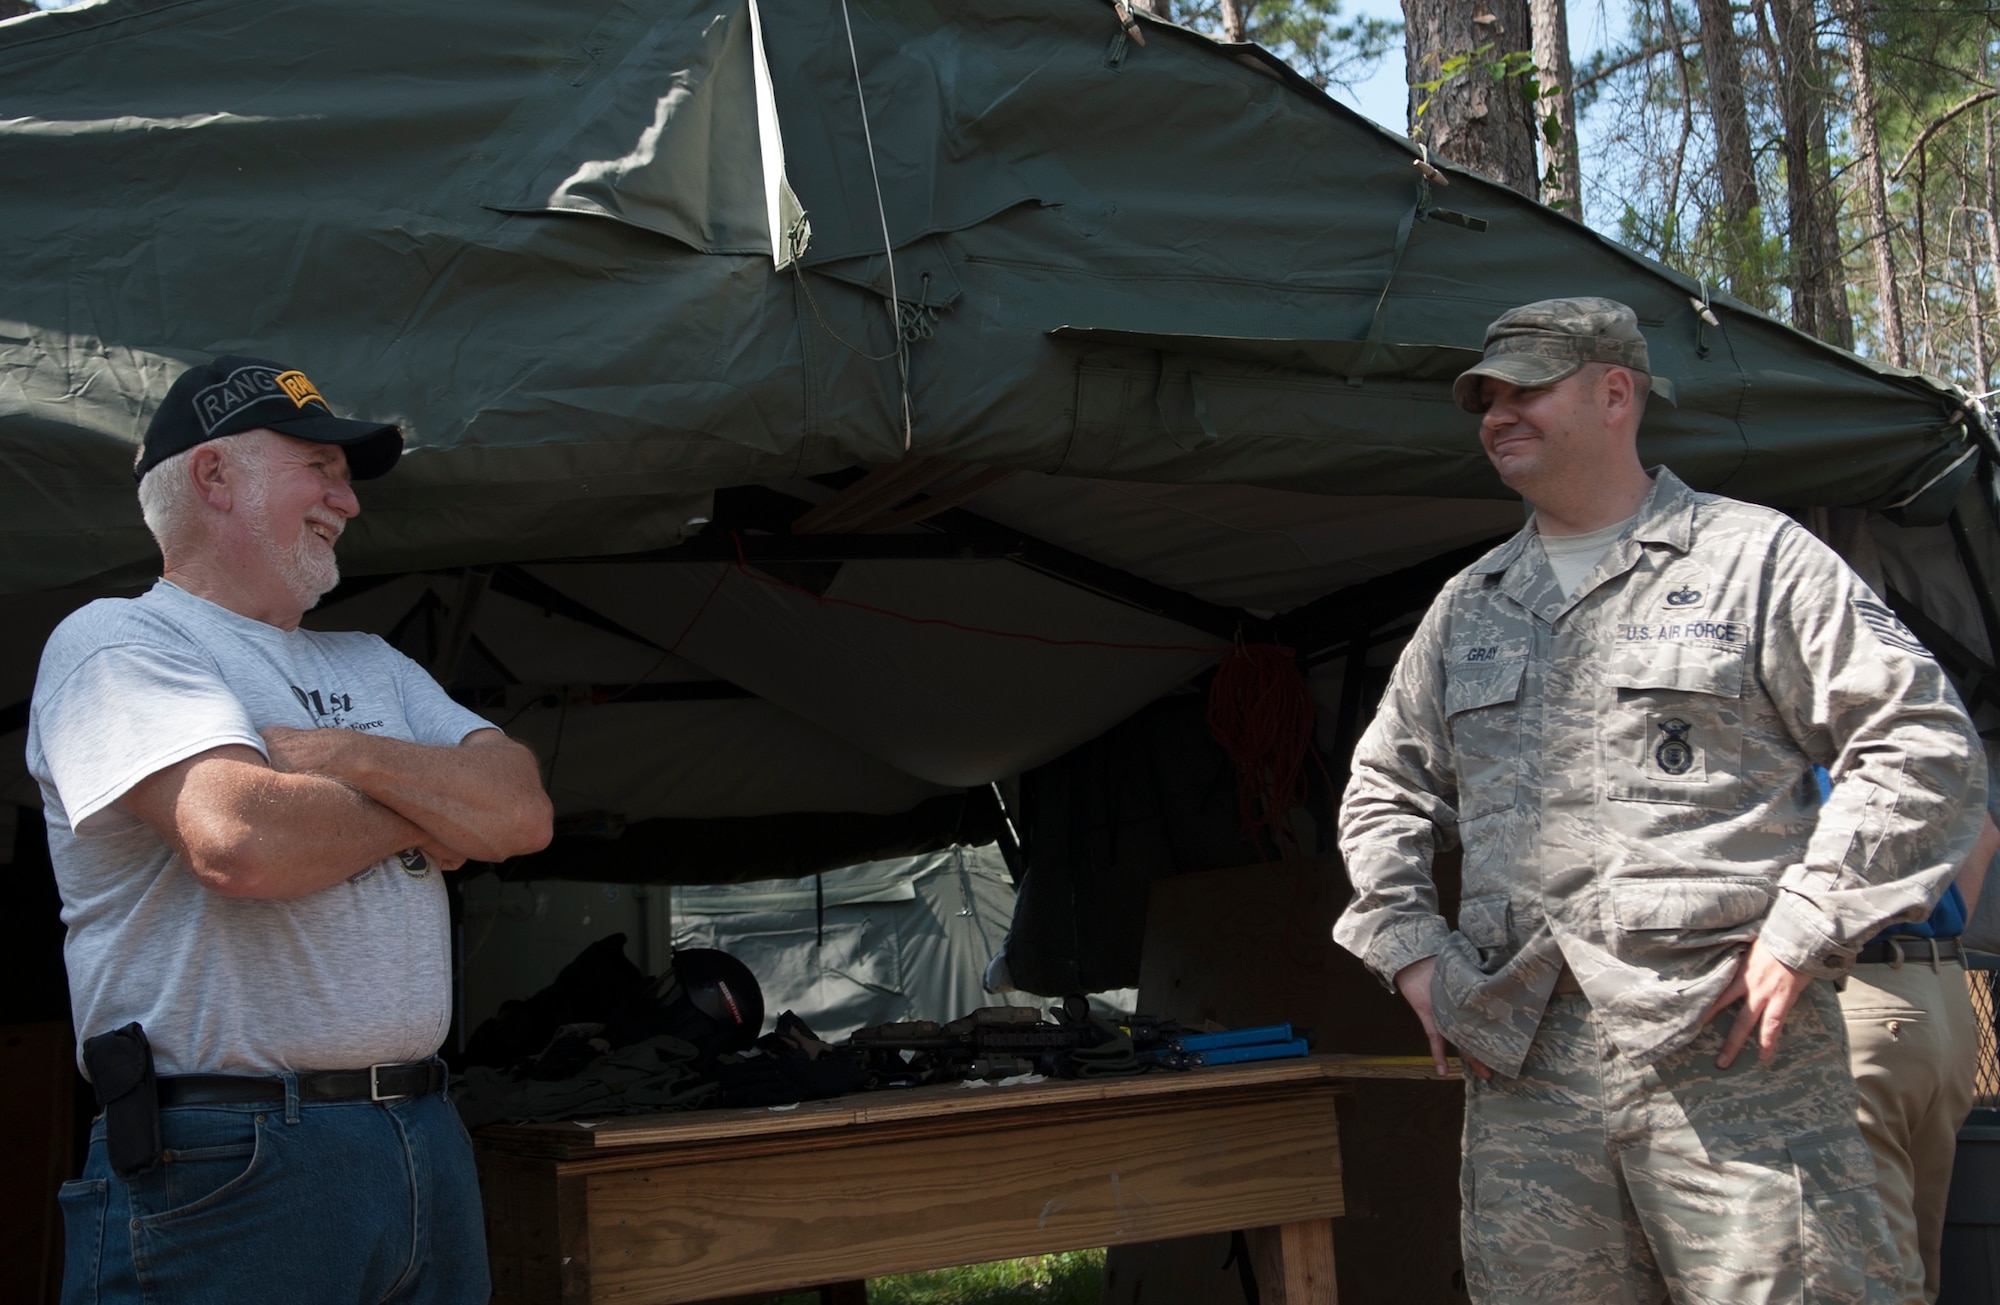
[{"x": 331, "y": 802}]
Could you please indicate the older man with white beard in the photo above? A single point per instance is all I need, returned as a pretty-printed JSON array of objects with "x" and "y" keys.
[{"x": 249, "y": 822}]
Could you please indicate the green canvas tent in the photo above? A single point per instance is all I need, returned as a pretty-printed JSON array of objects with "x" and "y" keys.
[
  {"x": 1149, "y": 347},
  {"x": 542, "y": 236}
]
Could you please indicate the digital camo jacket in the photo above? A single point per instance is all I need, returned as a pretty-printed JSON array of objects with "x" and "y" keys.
[{"x": 1628, "y": 774}]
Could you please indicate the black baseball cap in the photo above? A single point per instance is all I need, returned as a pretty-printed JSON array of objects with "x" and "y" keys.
[{"x": 233, "y": 394}]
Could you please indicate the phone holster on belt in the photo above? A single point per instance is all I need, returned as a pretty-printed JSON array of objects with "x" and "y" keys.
[{"x": 121, "y": 1070}]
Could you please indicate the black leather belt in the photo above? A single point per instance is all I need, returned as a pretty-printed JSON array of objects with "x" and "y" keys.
[
  {"x": 1894, "y": 950},
  {"x": 376, "y": 1083}
]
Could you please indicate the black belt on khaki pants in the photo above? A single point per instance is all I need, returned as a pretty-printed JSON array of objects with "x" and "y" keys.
[
  {"x": 1895, "y": 951},
  {"x": 413, "y": 1078}
]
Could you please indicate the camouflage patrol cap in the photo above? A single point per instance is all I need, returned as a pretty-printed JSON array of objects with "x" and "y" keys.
[{"x": 1544, "y": 342}]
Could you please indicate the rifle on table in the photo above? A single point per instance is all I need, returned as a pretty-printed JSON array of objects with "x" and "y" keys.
[
  {"x": 1003, "y": 1041},
  {"x": 991, "y": 1042}
]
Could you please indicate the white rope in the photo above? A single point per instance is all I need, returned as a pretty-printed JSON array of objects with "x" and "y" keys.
[
  {"x": 1916, "y": 493},
  {"x": 882, "y": 212}
]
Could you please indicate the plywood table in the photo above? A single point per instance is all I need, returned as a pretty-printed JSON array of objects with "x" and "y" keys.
[{"x": 721, "y": 1203}]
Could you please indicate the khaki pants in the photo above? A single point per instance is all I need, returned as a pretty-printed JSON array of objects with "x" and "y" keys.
[
  {"x": 1914, "y": 1044},
  {"x": 1590, "y": 1179}
]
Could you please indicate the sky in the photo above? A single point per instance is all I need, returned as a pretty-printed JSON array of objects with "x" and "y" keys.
[{"x": 1383, "y": 96}]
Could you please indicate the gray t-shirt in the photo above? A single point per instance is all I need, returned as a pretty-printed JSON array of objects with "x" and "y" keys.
[{"x": 352, "y": 975}]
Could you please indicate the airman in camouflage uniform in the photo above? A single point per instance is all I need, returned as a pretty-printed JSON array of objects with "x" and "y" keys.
[{"x": 1627, "y": 769}]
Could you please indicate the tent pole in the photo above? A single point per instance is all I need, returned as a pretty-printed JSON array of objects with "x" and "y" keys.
[
  {"x": 1982, "y": 584},
  {"x": 472, "y": 584}
]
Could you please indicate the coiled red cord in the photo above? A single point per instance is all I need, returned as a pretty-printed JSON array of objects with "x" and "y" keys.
[{"x": 1262, "y": 716}]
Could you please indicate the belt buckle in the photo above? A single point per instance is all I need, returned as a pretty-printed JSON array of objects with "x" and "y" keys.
[{"x": 375, "y": 1092}]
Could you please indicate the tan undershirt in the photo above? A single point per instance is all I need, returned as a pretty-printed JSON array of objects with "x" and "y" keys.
[{"x": 1572, "y": 557}]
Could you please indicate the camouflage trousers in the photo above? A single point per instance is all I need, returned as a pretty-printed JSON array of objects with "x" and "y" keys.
[{"x": 1591, "y": 1179}]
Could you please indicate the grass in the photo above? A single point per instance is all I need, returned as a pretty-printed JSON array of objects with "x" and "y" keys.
[{"x": 1070, "y": 1278}]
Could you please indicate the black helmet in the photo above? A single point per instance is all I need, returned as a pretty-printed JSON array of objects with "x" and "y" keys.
[{"x": 705, "y": 997}]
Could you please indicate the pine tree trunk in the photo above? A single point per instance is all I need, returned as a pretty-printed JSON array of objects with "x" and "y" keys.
[
  {"x": 1982, "y": 363},
  {"x": 1741, "y": 207},
  {"x": 1991, "y": 176},
  {"x": 1669, "y": 27},
  {"x": 1874, "y": 186},
  {"x": 1475, "y": 119},
  {"x": 1555, "y": 113},
  {"x": 1818, "y": 282},
  {"x": 1234, "y": 20}
]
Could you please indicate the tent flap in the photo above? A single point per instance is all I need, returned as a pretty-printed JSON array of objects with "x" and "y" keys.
[
  {"x": 1342, "y": 358},
  {"x": 666, "y": 134},
  {"x": 394, "y": 213}
]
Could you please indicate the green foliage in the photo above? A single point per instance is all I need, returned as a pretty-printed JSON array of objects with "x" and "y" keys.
[
  {"x": 1072, "y": 1278},
  {"x": 1651, "y": 152},
  {"x": 1552, "y": 137},
  {"x": 1652, "y": 156},
  {"x": 1929, "y": 62},
  {"x": 1926, "y": 57},
  {"x": 1515, "y": 66},
  {"x": 1069, "y": 1278},
  {"x": 1648, "y": 229}
]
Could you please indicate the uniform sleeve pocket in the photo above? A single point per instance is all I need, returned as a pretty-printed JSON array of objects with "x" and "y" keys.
[
  {"x": 1483, "y": 921},
  {"x": 1705, "y": 905}
]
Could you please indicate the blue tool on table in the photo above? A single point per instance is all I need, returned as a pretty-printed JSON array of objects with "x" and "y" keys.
[{"x": 1235, "y": 1046}]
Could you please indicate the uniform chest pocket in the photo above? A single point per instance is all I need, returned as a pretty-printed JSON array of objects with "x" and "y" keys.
[
  {"x": 1482, "y": 705},
  {"x": 1673, "y": 731}
]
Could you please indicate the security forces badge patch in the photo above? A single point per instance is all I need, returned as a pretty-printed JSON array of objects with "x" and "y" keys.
[{"x": 1674, "y": 753}]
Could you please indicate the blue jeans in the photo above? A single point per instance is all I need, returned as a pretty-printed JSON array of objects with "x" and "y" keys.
[{"x": 343, "y": 1203}]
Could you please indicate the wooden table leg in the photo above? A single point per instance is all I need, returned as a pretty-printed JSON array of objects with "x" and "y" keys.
[{"x": 1294, "y": 1263}]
